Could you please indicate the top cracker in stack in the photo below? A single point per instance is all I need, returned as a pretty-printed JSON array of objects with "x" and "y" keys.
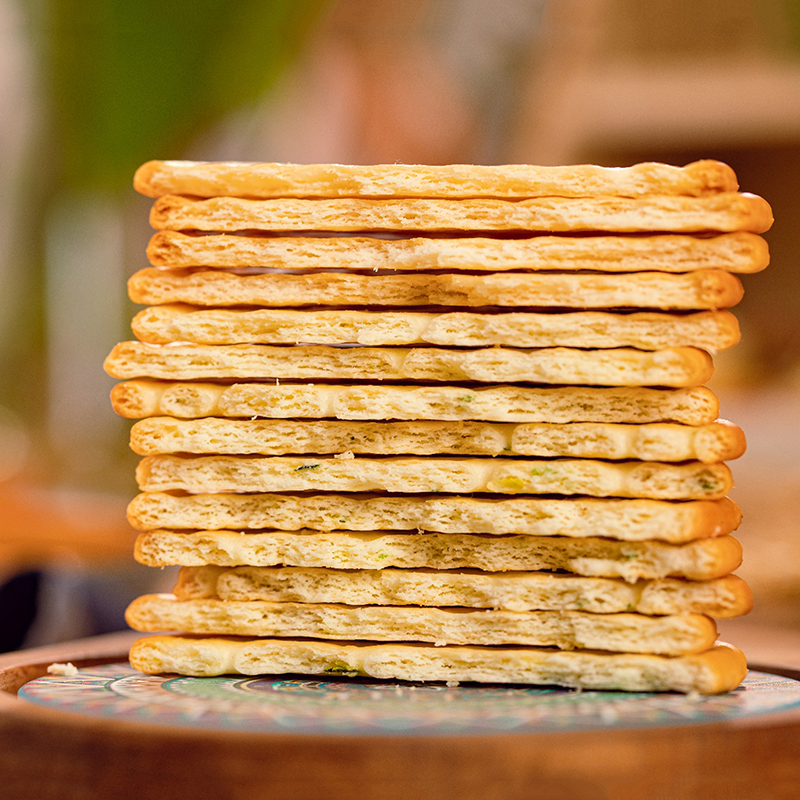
[{"x": 439, "y": 423}]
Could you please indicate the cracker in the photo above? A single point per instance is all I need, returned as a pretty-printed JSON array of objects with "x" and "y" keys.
[
  {"x": 142, "y": 398},
  {"x": 629, "y": 520},
  {"x": 236, "y": 179},
  {"x": 647, "y": 479},
  {"x": 699, "y": 560},
  {"x": 708, "y": 330},
  {"x": 162, "y": 435},
  {"x": 724, "y": 213},
  {"x": 703, "y": 289},
  {"x": 735, "y": 252},
  {"x": 672, "y": 635},
  {"x": 720, "y": 669},
  {"x": 513, "y": 591},
  {"x": 672, "y": 367},
  {"x": 718, "y": 441}
]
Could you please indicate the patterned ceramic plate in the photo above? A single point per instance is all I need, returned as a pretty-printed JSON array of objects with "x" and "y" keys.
[{"x": 361, "y": 706}]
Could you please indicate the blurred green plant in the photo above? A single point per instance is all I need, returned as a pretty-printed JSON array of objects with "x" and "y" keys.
[
  {"x": 131, "y": 80},
  {"x": 780, "y": 21},
  {"x": 792, "y": 12},
  {"x": 119, "y": 82}
]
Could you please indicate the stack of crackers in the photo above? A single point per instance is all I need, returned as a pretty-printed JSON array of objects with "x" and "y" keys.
[{"x": 439, "y": 423}]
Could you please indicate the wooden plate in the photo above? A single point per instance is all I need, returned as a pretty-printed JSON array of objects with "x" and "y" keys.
[{"x": 415, "y": 744}]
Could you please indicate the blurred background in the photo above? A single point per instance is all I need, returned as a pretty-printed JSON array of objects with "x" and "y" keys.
[{"x": 89, "y": 89}]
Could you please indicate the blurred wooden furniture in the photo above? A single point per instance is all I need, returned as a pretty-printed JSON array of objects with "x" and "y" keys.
[
  {"x": 615, "y": 76},
  {"x": 39, "y": 526}
]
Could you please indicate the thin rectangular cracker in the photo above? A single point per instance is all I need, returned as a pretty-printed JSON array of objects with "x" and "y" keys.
[
  {"x": 574, "y": 517},
  {"x": 145, "y": 398},
  {"x": 699, "y": 560},
  {"x": 717, "y": 441},
  {"x": 703, "y": 289},
  {"x": 739, "y": 252},
  {"x": 720, "y": 669},
  {"x": 723, "y": 597},
  {"x": 707, "y": 330},
  {"x": 238, "y": 179},
  {"x": 673, "y": 635},
  {"x": 724, "y": 213},
  {"x": 672, "y": 367},
  {"x": 202, "y": 474}
]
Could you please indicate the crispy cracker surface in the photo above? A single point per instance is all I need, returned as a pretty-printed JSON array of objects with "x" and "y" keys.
[
  {"x": 145, "y": 398},
  {"x": 707, "y": 330},
  {"x": 699, "y": 560},
  {"x": 674, "y": 634},
  {"x": 739, "y": 252},
  {"x": 703, "y": 289},
  {"x": 724, "y": 213},
  {"x": 514, "y": 591},
  {"x": 575, "y": 517},
  {"x": 236, "y": 179},
  {"x": 673, "y": 367},
  {"x": 686, "y": 481},
  {"x": 718, "y": 441},
  {"x": 720, "y": 669}
]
